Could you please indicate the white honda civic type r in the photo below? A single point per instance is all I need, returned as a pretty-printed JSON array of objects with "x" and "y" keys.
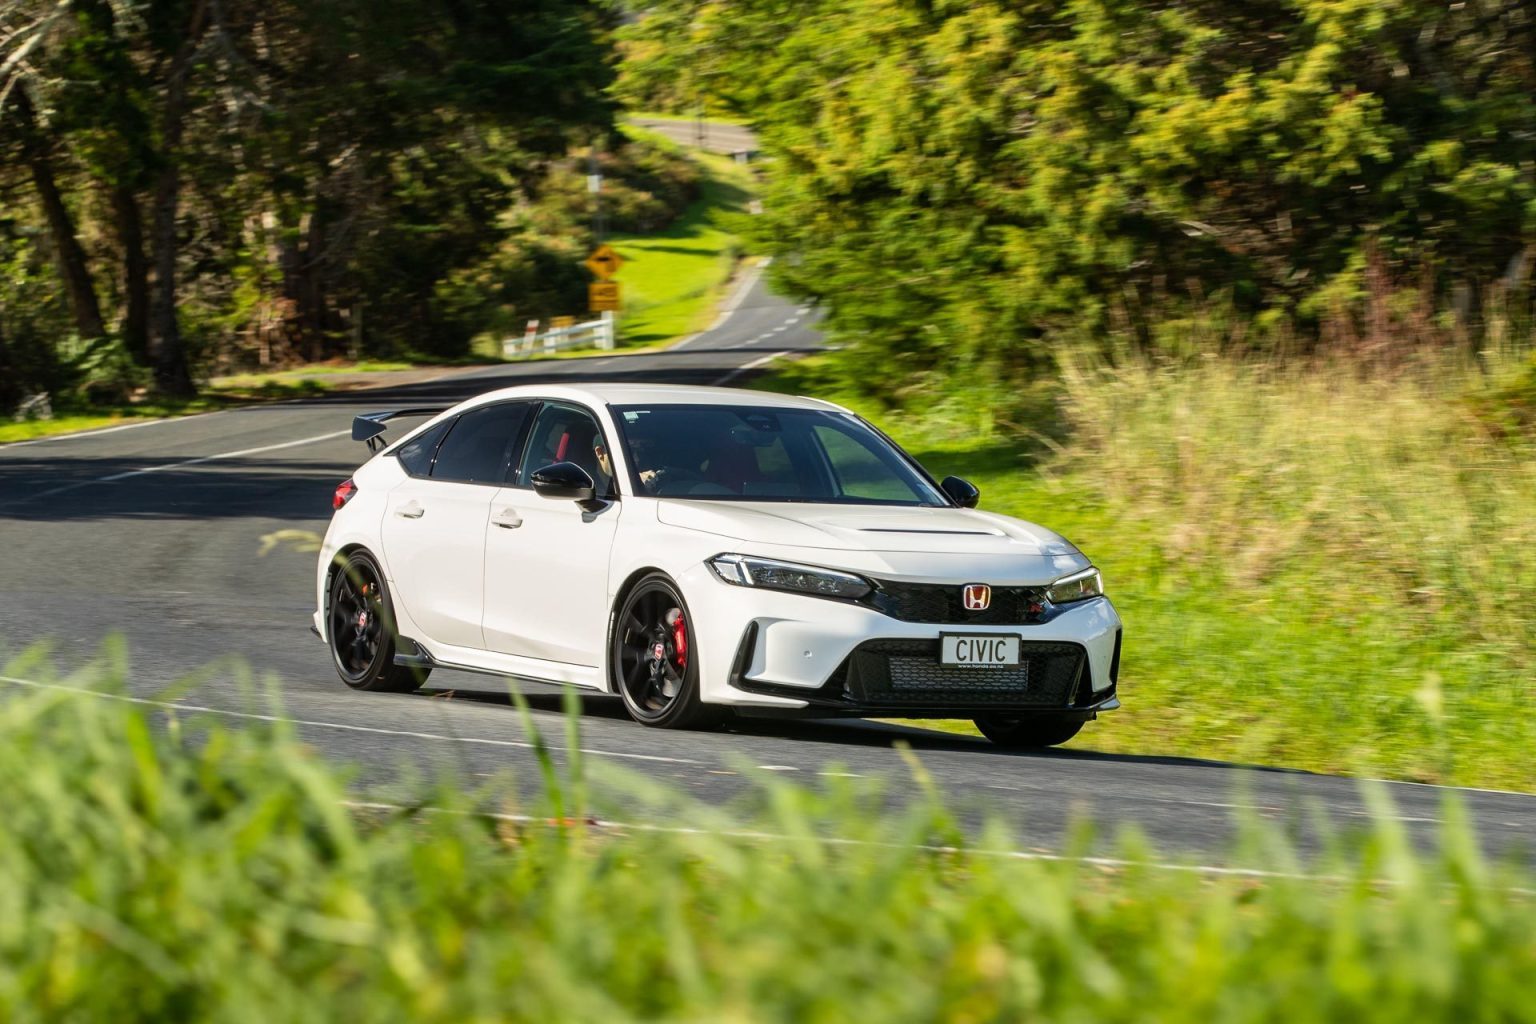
[{"x": 694, "y": 550}]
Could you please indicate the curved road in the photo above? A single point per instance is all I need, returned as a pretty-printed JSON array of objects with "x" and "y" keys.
[{"x": 153, "y": 531}]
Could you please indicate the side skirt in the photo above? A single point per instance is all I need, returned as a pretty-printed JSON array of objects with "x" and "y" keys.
[{"x": 415, "y": 654}]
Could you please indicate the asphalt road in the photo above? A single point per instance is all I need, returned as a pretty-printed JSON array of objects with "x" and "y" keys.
[
  {"x": 153, "y": 532},
  {"x": 709, "y": 135}
]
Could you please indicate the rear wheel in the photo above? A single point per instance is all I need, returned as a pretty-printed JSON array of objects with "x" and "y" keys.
[
  {"x": 360, "y": 629},
  {"x": 652, "y": 658},
  {"x": 1027, "y": 733}
]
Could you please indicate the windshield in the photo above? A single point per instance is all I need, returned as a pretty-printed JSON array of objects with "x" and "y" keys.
[{"x": 746, "y": 453}]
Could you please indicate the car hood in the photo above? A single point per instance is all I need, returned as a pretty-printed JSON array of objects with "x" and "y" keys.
[{"x": 855, "y": 530}]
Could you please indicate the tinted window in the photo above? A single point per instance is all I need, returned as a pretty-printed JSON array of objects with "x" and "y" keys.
[
  {"x": 564, "y": 433},
  {"x": 479, "y": 447},
  {"x": 416, "y": 454},
  {"x": 748, "y": 453},
  {"x": 857, "y": 470}
]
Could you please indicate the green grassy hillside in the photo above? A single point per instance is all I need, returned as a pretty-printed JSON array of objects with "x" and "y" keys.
[{"x": 1318, "y": 568}]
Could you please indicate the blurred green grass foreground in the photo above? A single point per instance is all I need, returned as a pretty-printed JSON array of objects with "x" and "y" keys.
[
  {"x": 169, "y": 869},
  {"x": 1321, "y": 564}
]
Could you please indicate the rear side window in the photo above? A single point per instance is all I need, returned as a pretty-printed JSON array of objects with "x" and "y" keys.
[
  {"x": 416, "y": 454},
  {"x": 479, "y": 447}
]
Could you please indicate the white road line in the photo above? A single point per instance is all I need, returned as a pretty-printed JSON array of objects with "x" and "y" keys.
[
  {"x": 222, "y": 455},
  {"x": 85, "y": 433},
  {"x": 1111, "y": 863},
  {"x": 164, "y": 467},
  {"x": 345, "y": 727},
  {"x": 754, "y": 364},
  {"x": 730, "y": 306},
  {"x": 1105, "y": 862}
]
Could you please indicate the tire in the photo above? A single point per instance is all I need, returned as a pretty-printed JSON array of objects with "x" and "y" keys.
[
  {"x": 360, "y": 629},
  {"x": 655, "y": 674},
  {"x": 1028, "y": 733}
]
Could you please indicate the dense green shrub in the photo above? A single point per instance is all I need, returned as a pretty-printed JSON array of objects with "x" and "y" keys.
[
  {"x": 967, "y": 184},
  {"x": 166, "y": 868}
]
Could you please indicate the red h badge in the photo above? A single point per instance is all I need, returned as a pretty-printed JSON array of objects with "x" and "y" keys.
[{"x": 977, "y": 596}]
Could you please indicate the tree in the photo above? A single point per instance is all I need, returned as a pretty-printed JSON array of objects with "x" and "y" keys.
[
  {"x": 967, "y": 184},
  {"x": 38, "y": 153},
  {"x": 260, "y": 172}
]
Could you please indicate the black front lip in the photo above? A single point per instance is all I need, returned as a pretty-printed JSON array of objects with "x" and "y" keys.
[
  {"x": 832, "y": 698},
  {"x": 817, "y": 707}
]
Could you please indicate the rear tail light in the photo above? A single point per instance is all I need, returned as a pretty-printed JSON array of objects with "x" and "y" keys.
[{"x": 343, "y": 494}]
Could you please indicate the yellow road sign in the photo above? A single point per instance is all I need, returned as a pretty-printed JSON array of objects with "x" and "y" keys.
[
  {"x": 604, "y": 262},
  {"x": 557, "y": 322},
  {"x": 603, "y": 296}
]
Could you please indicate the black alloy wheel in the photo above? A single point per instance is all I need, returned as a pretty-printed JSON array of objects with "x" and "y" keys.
[
  {"x": 652, "y": 658},
  {"x": 1031, "y": 733},
  {"x": 360, "y": 629}
]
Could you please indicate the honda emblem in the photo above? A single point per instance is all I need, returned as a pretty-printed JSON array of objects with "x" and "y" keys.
[{"x": 977, "y": 596}]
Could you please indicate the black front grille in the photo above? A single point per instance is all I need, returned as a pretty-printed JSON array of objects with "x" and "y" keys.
[
  {"x": 943, "y": 603},
  {"x": 907, "y": 673}
]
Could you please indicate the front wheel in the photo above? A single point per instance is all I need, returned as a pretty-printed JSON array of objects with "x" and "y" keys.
[
  {"x": 360, "y": 629},
  {"x": 1028, "y": 733},
  {"x": 653, "y": 660}
]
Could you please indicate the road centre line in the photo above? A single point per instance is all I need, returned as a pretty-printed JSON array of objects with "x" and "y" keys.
[
  {"x": 222, "y": 455},
  {"x": 476, "y": 740},
  {"x": 754, "y": 364},
  {"x": 738, "y": 296},
  {"x": 115, "y": 477}
]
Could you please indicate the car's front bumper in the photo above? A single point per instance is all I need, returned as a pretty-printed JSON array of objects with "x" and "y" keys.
[
  {"x": 904, "y": 679},
  {"x": 789, "y": 651}
]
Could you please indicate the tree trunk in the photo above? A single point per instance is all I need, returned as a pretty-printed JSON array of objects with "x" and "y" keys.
[
  {"x": 10, "y": 392},
  {"x": 130, "y": 234},
  {"x": 168, "y": 355},
  {"x": 61, "y": 226}
]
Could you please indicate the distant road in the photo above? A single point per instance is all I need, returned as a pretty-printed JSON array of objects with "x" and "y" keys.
[{"x": 713, "y": 136}]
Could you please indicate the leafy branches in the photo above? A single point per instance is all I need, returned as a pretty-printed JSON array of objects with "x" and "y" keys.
[
  {"x": 967, "y": 185},
  {"x": 218, "y": 177}
]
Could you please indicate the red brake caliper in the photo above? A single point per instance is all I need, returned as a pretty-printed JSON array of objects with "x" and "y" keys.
[{"x": 680, "y": 640}]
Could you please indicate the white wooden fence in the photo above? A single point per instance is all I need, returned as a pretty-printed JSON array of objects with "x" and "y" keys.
[{"x": 596, "y": 333}]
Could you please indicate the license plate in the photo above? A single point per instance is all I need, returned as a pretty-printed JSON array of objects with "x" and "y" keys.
[{"x": 977, "y": 650}]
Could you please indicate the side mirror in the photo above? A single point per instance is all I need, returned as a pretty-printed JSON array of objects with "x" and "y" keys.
[
  {"x": 961, "y": 491},
  {"x": 563, "y": 480}
]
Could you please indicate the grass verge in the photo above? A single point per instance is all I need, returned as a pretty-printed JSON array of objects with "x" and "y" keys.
[
  {"x": 1317, "y": 568},
  {"x": 174, "y": 870},
  {"x": 224, "y": 393},
  {"x": 673, "y": 280}
]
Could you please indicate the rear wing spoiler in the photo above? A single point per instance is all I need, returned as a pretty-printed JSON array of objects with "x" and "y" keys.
[{"x": 370, "y": 426}]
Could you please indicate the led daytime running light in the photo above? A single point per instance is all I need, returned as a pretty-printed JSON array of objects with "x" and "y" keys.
[
  {"x": 746, "y": 571},
  {"x": 1079, "y": 586}
]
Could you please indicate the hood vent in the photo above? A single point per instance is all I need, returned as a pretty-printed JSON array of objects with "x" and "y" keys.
[{"x": 947, "y": 533}]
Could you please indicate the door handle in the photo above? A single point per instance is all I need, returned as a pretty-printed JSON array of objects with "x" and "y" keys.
[
  {"x": 507, "y": 519},
  {"x": 411, "y": 510}
]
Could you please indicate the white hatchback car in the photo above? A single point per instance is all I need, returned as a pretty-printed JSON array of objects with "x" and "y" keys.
[{"x": 696, "y": 549}]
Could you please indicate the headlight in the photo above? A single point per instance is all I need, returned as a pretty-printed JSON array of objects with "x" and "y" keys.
[
  {"x": 746, "y": 571},
  {"x": 1080, "y": 586}
]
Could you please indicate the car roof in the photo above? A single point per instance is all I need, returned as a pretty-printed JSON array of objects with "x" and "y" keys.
[{"x": 654, "y": 394}]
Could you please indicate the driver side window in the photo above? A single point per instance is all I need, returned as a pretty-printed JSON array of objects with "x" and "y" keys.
[{"x": 564, "y": 433}]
